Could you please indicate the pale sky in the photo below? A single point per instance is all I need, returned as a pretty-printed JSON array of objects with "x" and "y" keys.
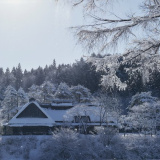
[{"x": 34, "y": 32}]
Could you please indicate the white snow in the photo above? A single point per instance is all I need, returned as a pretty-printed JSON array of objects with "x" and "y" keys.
[{"x": 61, "y": 104}]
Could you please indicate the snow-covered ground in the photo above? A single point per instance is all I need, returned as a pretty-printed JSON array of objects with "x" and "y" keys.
[
  {"x": 70, "y": 145},
  {"x": 20, "y": 147}
]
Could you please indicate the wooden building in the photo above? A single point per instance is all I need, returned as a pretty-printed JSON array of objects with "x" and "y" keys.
[{"x": 35, "y": 118}]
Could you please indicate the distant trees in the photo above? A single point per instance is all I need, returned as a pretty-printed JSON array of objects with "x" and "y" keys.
[
  {"x": 48, "y": 91},
  {"x": 80, "y": 72},
  {"x": 8, "y": 78},
  {"x": 85, "y": 74},
  {"x": 17, "y": 72}
]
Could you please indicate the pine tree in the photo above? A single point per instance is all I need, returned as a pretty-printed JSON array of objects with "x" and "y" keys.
[
  {"x": 19, "y": 76},
  {"x": 9, "y": 78},
  {"x": 9, "y": 104},
  {"x": 39, "y": 76},
  {"x": 22, "y": 97}
]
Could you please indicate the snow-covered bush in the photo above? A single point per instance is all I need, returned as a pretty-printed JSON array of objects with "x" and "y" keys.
[
  {"x": 68, "y": 145},
  {"x": 118, "y": 148},
  {"x": 144, "y": 113},
  {"x": 17, "y": 147},
  {"x": 106, "y": 135},
  {"x": 142, "y": 147},
  {"x": 65, "y": 144},
  {"x": 62, "y": 146}
]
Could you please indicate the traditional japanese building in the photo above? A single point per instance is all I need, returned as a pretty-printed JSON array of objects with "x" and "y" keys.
[{"x": 36, "y": 118}]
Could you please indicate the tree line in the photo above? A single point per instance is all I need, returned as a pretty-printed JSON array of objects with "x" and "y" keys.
[{"x": 80, "y": 72}]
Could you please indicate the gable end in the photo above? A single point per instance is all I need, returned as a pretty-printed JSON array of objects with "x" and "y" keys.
[{"x": 32, "y": 111}]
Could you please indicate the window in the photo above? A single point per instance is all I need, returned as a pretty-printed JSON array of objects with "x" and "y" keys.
[{"x": 79, "y": 119}]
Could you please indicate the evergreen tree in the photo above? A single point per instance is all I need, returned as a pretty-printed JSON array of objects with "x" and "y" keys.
[
  {"x": 9, "y": 104},
  {"x": 39, "y": 76},
  {"x": 22, "y": 97},
  {"x": 9, "y": 78},
  {"x": 19, "y": 76}
]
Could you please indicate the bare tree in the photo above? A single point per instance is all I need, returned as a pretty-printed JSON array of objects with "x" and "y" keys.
[{"x": 109, "y": 108}]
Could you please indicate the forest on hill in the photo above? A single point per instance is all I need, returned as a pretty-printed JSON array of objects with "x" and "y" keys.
[
  {"x": 85, "y": 73},
  {"x": 80, "y": 72}
]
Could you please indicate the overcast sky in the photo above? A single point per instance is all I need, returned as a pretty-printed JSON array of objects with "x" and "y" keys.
[{"x": 34, "y": 32}]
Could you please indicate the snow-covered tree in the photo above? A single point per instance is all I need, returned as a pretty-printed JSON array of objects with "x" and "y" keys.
[
  {"x": 9, "y": 78},
  {"x": 63, "y": 92},
  {"x": 9, "y": 104},
  {"x": 109, "y": 30},
  {"x": 109, "y": 108},
  {"x": 47, "y": 91},
  {"x": 144, "y": 112},
  {"x": 18, "y": 74},
  {"x": 34, "y": 92},
  {"x": 22, "y": 97},
  {"x": 80, "y": 93}
]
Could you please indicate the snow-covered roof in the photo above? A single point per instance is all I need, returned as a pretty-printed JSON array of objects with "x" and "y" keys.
[
  {"x": 55, "y": 116},
  {"x": 23, "y": 121},
  {"x": 61, "y": 104},
  {"x": 62, "y": 101},
  {"x": 92, "y": 111}
]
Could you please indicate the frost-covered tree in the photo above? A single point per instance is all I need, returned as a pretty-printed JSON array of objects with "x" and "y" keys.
[
  {"x": 47, "y": 91},
  {"x": 80, "y": 93},
  {"x": 9, "y": 104},
  {"x": 63, "y": 92},
  {"x": 22, "y": 97},
  {"x": 9, "y": 78},
  {"x": 108, "y": 30},
  {"x": 18, "y": 74},
  {"x": 144, "y": 112},
  {"x": 109, "y": 108},
  {"x": 35, "y": 92},
  {"x": 65, "y": 145},
  {"x": 79, "y": 114}
]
